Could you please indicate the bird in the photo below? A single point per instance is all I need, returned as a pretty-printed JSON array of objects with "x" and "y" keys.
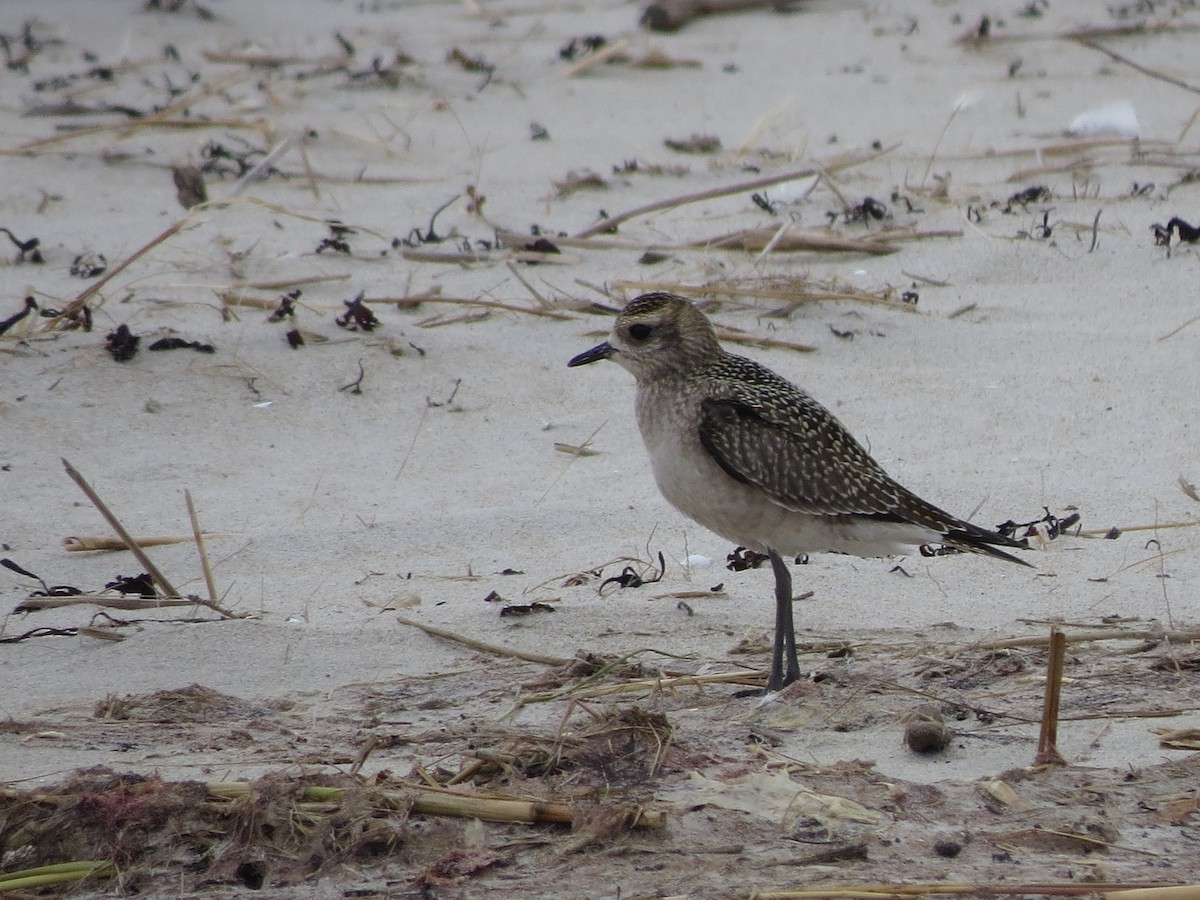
[{"x": 752, "y": 457}]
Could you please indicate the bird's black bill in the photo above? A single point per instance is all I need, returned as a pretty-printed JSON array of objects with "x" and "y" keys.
[{"x": 599, "y": 352}]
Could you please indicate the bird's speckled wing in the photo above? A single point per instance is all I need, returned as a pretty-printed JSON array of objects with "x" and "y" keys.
[
  {"x": 762, "y": 430},
  {"x": 802, "y": 458}
]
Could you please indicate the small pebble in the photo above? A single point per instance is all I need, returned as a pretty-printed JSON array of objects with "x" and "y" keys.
[{"x": 926, "y": 731}]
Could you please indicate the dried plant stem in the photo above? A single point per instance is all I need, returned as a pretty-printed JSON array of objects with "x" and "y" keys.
[
  {"x": 425, "y": 799},
  {"x": 611, "y": 222},
  {"x": 1125, "y": 60},
  {"x": 1099, "y": 634},
  {"x": 1163, "y": 892},
  {"x": 483, "y": 647},
  {"x": 199, "y": 537},
  {"x": 1174, "y": 331},
  {"x": 576, "y": 452},
  {"x": 75, "y": 305},
  {"x": 1066, "y": 148},
  {"x": 669, "y": 683},
  {"x": 1047, "y": 751},
  {"x": 456, "y": 257},
  {"x": 78, "y": 544},
  {"x": 34, "y": 604},
  {"x": 262, "y": 167},
  {"x": 1101, "y": 532},
  {"x": 537, "y": 295},
  {"x": 769, "y": 239},
  {"x": 168, "y": 589},
  {"x": 281, "y": 283},
  {"x": 123, "y": 128},
  {"x": 165, "y": 117},
  {"x": 765, "y": 293},
  {"x": 767, "y": 343},
  {"x": 467, "y": 301},
  {"x": 1126, "y": 891}
]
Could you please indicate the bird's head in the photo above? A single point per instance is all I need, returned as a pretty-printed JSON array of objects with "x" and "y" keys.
[{"x": 655, "y": 335}]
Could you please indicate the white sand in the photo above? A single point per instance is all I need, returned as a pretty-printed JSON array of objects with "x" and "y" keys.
[{"x": 1059, "y": 387}]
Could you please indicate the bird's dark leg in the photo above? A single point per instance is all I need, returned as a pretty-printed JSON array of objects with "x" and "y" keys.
[{"x": 784, "y": 653}]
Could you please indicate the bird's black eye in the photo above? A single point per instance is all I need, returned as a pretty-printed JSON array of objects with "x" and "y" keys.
[{"x": 640, "y": 331}]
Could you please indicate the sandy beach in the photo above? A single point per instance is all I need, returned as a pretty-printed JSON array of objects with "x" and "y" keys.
[{"x": 943, "y": 228}]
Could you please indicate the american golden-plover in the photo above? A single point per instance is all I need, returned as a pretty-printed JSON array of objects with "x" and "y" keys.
[{"x": 749, "y": 455}]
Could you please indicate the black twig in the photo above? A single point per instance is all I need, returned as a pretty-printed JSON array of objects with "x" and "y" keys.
[{"x": 355, "y": 387}]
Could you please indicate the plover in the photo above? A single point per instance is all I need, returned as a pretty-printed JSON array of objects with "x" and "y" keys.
[{"x": 750, "y": 456}]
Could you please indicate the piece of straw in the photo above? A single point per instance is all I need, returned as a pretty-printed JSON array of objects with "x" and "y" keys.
[
  {"x": 1047, "y": 751},
  {"x": 168, "y": 589},
  {"x": 493, "y": 649}
]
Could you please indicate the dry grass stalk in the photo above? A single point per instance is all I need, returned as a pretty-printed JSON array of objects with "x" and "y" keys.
[
  {"x": 87, "y": 293},
  {"x": 537, "y": 295},
  {"x": 1154, "y": 526},
  {"x": 35, "y": 604},
  {"x": 737, "y": 336},
  {"x": 123, "y": 131},
  {"x": 1180, "y": 739},
  {"x": 78, "y": 544},
  {"x": 91, "y": 290},
  {"x": 430, "y": 800},
  {"x": 574, "y": 450},
  {"x": 199, "y": 537},
  {"x": 1093, "y": 32},
  {"x": 610, "y": 223},
  {"x": 760, "y": 239},
  {"x": 1174, "y": 331},
  {"x": 877, "y": 891},
  {"x": 1145, "y": 70},
  {"x": 1066, "y": 148},
  {"x": 168, "y": 116},
  {"x": 168, "y": 589},
  {"x": 661, "y": 683},
  {"x": 263, "y": 59},
  {"x": 467, "y": 301},
  {"x": 455, "y": 257},
  {"x": 232, "y": 298},
  {"x": 1113, "y": 634},
  {"x": 1162, "y": 892},
  {"x": 279, "y": 284},
  {"x": 1047, "y": 751},
  {"x": 789, "y": 289},
  {"x": 440, "y": 319},
  {"x": 483, "y": 647}
]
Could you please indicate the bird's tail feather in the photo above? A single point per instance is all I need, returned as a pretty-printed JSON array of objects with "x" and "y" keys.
[{"x": 974, "y": 539}]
